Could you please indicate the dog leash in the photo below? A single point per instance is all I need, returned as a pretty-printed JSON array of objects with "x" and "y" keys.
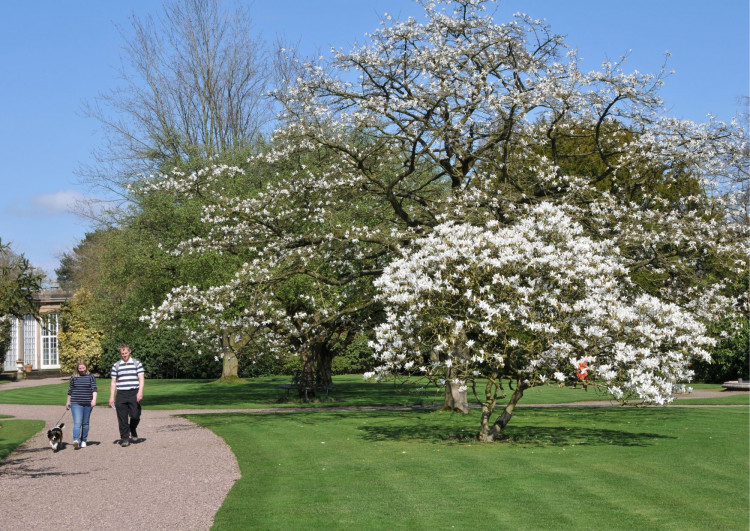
[{"x": 63, "y": 416}]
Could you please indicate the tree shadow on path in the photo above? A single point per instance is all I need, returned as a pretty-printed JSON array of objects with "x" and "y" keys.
[{"x": 25, "y": 465}]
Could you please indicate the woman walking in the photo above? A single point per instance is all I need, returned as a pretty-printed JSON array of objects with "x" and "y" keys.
[{"x": 81, "y": 399}]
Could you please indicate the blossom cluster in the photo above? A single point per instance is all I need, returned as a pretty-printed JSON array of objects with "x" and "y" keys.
[
  {"x": 526, "y": 216},
  {"x": 531, "y": 302}
]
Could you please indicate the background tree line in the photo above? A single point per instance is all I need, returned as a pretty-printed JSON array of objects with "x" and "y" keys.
[{"x": 270, "y": 234}]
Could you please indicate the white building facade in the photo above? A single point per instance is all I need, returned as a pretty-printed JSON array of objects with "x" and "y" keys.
[{"x": 34, "y": 338}]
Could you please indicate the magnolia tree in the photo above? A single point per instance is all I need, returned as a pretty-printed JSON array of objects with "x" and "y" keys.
[
  {"x": 306, "y": 287},
  {"x": 530, "y": 303},
  {"x": 454, "y": 122},
  {"x": 216, "y": 321},
  {"x": 462, "y": 119}
]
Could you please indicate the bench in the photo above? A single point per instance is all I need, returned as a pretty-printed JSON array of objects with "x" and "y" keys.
[
  {"x": 737, "y": 385},
  {"x": 298, "y": 385}
]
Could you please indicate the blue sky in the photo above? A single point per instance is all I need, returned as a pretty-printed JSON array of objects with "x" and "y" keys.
[{"x": 56, "y": 55}]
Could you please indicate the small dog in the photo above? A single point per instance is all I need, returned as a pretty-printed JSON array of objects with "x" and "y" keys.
[{"x": 55, "y": 436}]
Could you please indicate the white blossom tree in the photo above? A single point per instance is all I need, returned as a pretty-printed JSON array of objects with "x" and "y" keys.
[
  {"x": 458, "y": 122},
  {"x": 530, "y": 303},
  {"x": 302, "y": 290}
]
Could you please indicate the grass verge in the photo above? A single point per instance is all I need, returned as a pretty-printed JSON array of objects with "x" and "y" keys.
[
  {"x": 349, "y": 390},
  {"x": 576, "y": 468},
  {"x": 14, "y": 432},
  {"x": 583, "y": 468}
]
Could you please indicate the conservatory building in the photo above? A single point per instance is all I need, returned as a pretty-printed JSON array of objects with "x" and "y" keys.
[{"x": 33, "y": 343}]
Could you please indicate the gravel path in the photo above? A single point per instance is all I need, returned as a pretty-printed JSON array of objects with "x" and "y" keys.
[{"x": 176, "y": 477}]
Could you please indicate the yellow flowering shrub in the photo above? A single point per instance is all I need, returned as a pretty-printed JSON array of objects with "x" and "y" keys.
[{"x": 77, "y": 338}]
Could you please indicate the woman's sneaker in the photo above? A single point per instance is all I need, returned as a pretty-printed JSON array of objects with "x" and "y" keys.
[
  {"x": 83, "y": 444},
  {"x": 75, "y": 444}
]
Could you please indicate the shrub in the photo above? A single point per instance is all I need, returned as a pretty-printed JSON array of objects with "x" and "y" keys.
[
  {"x": 77, "y": 338},
  {"x": 252, "y": 365},
  {"x": 729, "y": 357},
  {"x": 356, "y": 358},
  {"x": 163, "y": 355}
]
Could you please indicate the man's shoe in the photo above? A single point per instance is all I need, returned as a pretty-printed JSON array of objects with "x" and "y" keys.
[
  {"x": 133, "y": 434},
  {"x": 75, "y": 445},
  {"x": 124, "y": 443},
  {"x": 83, "y": 444}
]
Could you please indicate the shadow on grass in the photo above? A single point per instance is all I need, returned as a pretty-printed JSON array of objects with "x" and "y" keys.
[
  {"x": 533, "y": 427},
  {"x": 521, "y": 435},
  {"x": 202, "y": 394},
  {"x": 562, "y": 436}
]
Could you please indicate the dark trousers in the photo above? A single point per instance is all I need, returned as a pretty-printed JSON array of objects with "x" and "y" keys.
[{"x": 126, "y": 406}]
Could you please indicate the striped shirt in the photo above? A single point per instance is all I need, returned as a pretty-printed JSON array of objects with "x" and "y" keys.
[
  {"x": 82, "y": 389},
  {"x": 126, "y": 373}
]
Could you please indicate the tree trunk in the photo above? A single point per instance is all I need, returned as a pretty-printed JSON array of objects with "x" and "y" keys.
[
  {"x": 456, "y": 400},
  {"x": 484, "y": 426},
  {"x": 229, "y": 365},
  {"x": 490, "y": 434},
  {"x": 307, "y": 376},
  {"x": 488, "y": 406},
  {"x": 324, "y": 370}
]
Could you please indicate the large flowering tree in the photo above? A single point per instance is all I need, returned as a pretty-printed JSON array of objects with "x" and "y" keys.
[
  {"x": 456, "y": 122},
  {"x": 532, "y": 302},
  {"x": 307, "y": 285}
]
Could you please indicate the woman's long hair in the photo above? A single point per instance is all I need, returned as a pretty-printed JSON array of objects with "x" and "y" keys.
[{"x": 78, "y": 363}]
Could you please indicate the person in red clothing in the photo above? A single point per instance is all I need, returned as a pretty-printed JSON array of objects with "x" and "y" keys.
[{"x": 582, "y": 372}]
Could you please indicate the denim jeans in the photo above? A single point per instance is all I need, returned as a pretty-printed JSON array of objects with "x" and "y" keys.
[{"x": 81, "y": 416}]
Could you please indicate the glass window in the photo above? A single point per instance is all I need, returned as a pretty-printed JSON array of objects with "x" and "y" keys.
[
  {"x": 29, "y": 340},
  {"x": 11, "y": 357},
  {"x": 49, "y": 340}
]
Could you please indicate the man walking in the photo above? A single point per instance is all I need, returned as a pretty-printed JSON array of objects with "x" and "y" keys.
[{"x": 128, "y": 379}]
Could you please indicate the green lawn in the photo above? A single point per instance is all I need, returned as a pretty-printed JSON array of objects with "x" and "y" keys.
[
  {"x": 560, "y": 468},
  {"x": 577, "y": 468},
  {"x": 14, "y": 432},
  {"x": 349, "y": 390}
]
